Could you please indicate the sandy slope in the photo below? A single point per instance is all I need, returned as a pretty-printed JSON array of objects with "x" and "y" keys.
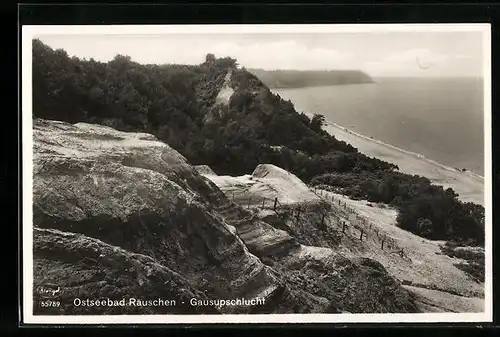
[
  {"x": 437, "y": 283},
  {"x": 267, "y": 181},
  {"x": 226, "y": 91},
  {"x": 468, "y": 185},
  {"x": 435, "y": 301},
  {"x": 424, "y": 269}
]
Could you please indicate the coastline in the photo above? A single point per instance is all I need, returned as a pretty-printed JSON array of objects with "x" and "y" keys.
[
  {"x": 468, "y": 185},
  {"x": 274, "y": 87}
]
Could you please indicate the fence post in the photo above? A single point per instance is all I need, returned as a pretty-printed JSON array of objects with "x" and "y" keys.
[
  {"x": 275, "y": 202},
  {"x": 233, "y": 196},
  {"x": 263, "y": 201},
  {"x": 343, "y": 227},
  {"x": 361, "y": 236},
  {"x": 382, "y": 244}
]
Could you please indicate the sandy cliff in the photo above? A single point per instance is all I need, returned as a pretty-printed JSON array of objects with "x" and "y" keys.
[{"x": 134, "y": 193}]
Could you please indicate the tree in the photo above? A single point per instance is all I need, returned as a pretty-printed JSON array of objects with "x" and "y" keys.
[
  {"x": 449, "y": 191},
  {"x": 210, "y": 58},
  {"x": 425, "y": 226},
  {"x": 317, "y": 122}
]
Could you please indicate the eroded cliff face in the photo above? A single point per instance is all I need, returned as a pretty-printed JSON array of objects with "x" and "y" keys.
[
  {"x": 81, "y": 268},
  {"x": 131, "y": 191},
  {"x": 121, "y": 215}
]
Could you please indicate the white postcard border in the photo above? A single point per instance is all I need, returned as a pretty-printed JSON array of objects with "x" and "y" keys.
[{"x": 30, "y": 32}]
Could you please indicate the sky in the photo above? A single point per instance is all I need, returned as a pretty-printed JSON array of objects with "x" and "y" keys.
[{"x": 405, "y": 54}]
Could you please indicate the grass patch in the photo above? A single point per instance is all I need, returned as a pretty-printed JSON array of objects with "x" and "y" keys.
[
  {"x": 473, "y": 259},
  {"x": 475, "y": 269}
]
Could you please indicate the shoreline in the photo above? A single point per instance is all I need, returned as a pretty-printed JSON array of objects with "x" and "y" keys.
[
  {"x": 414, "y": 154},
  {"x": 320, "y": 85},
  {"x": 468, "y": 185}
]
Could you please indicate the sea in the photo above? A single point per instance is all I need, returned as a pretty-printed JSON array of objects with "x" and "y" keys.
[{"x": 440, "y": 118}]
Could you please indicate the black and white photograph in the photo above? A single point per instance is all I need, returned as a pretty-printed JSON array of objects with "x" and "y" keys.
[{"x": 256, "y": 173}]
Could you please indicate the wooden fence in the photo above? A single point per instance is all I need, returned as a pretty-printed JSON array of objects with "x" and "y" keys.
[
  {"x": 348, "y": 221},
  {"x": 362, "y": 227}
]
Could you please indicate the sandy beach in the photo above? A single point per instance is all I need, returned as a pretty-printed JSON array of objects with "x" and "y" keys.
[{"x": 468, "y": 185}]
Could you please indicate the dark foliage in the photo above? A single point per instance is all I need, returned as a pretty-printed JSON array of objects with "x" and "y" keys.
[
  {"x": 425, "y": 209},
  {"x": 173, "y": 102}
]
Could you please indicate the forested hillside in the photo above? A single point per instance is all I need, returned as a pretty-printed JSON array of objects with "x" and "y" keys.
[
  {"x": 257, "y": 126},
  {"x": 309, "y": 78}
]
